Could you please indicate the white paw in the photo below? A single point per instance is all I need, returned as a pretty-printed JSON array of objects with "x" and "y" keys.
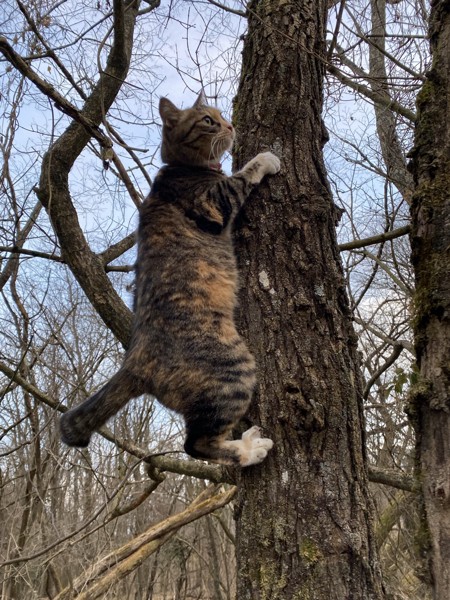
[
  {"x": 252, "y": 433},
  {"x": 269, "y": 162},
  {"x": 255, "y": 447},
  {"x": 254, "y": 457},
  {"x": 264, "y": 443}
]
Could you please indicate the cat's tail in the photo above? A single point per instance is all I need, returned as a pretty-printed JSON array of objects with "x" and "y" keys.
[{"x": 78, "y": 424}]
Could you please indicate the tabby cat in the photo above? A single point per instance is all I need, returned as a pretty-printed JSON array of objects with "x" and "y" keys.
[{"x": 184, "y": 347}]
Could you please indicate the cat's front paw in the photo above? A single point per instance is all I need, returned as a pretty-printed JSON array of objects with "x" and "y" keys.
[
  {"x": 269, "y": 162},
  {"x": 264, "y": 163}
]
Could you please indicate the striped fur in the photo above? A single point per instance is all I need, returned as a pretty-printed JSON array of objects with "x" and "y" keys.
[{"x": 184, "y": 348}]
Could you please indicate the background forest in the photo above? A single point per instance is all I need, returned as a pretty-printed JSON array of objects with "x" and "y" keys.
[{"x": 62, "y": 510}]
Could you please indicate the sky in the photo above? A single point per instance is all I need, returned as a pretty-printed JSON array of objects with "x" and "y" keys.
[{"x": 173, "y": 57}]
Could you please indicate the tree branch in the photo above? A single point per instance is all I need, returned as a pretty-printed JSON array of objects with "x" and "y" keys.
[
  {"x": 116, "y": 250},
  {"x": 387, "y": 270},
  {"x": 23, "y": 234},
  {"x": 25, "y": 251},
  {"x": 386, "y": 122},
  {"x": 119, "y": 563},
  {"x": 393, "y": 478},
  {"x": 54, "y": 192},
  {"x": 368, "y": 93},
  {"x": 233, "y": 11},
  {"x": 48, "y": 90},
  {"x": 376, "y": 239},
  {"x": 407, "y": 345},
  {"x": 191, "y": 468},
  {"x": 397, "y": 350},
  {"x": 50, "y": 52},
  {"x": 390, "y": 516}
]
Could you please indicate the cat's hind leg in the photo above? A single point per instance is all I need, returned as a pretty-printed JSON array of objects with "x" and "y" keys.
[
  {"x": 255, "y": 447},
  {"x": 214, "y": 406},
  {"x": 78, "y": 424},
  {"x": 251, "y": 449}
]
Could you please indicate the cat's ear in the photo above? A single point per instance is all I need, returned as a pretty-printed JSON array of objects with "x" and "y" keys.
[
  {"x": 169, "y": 112},
  {"x": 201, "y": 100}
]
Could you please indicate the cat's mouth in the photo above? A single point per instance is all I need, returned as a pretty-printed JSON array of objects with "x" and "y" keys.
[{"x": 215, "y": 166}]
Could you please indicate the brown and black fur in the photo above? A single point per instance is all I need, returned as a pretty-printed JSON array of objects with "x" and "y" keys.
[{"x": 184, "y": 348}]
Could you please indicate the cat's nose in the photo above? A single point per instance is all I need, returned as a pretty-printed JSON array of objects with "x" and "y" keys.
[{"x": 230, "y": 127}]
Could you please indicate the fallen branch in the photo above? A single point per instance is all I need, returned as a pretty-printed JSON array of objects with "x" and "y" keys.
[{"x": 119, "y": 563}]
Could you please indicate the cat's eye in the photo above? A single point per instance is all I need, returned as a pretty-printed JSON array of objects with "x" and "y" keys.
[{"x": 207, "y": 120}]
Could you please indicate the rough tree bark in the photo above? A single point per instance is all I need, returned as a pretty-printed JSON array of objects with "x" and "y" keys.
[
  {"x": 430, "y": 238},
  {"x": 304, "y": 525}
]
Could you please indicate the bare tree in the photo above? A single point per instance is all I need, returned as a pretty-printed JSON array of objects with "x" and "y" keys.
[{"x": 431, "y": 243}]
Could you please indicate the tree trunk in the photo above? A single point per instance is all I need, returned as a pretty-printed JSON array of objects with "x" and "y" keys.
[
  {"x": 430, "y": 238},
  {"x": 304, "y": 525},
  {"x": 386, "y": 119}
]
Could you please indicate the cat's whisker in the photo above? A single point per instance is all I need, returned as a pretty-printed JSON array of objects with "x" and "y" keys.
[
  {"x": 215, "y": 146},
  {"x": 219, "y": 145}
]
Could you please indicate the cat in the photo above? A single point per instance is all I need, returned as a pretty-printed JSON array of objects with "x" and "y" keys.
[{"x": 184, "y": 347}]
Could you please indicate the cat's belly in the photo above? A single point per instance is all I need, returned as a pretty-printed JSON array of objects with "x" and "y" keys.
[{"x": 179, "y": 363}]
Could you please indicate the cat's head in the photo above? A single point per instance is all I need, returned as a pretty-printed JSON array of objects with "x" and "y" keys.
[{"x": 196, "y": 136}]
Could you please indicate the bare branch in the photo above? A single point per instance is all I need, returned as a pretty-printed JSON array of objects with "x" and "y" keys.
[
  {"x": 382, "y": 264},
  {"x": 376, "y": 239},
  {"x": 374, "y": 96},
  {"x": 27, "y": 252},
  {"x": 50, "y": 52},
  {"x": 119, "y": 563},
  {"x": 393, "y": 154},
  {"x": 385, "y": 338},
  {"x": 393, "y": 478},
  {"x": 118, "y": 249},
  {"x": 226, "y": 8},
  {"x": 54, "y": 189},
  {"x": 48, "y": 90},
  {"x": 397, "y": 350},
  {"x": 192, "y": 468},
  {"x": 8, "y": 270}
]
